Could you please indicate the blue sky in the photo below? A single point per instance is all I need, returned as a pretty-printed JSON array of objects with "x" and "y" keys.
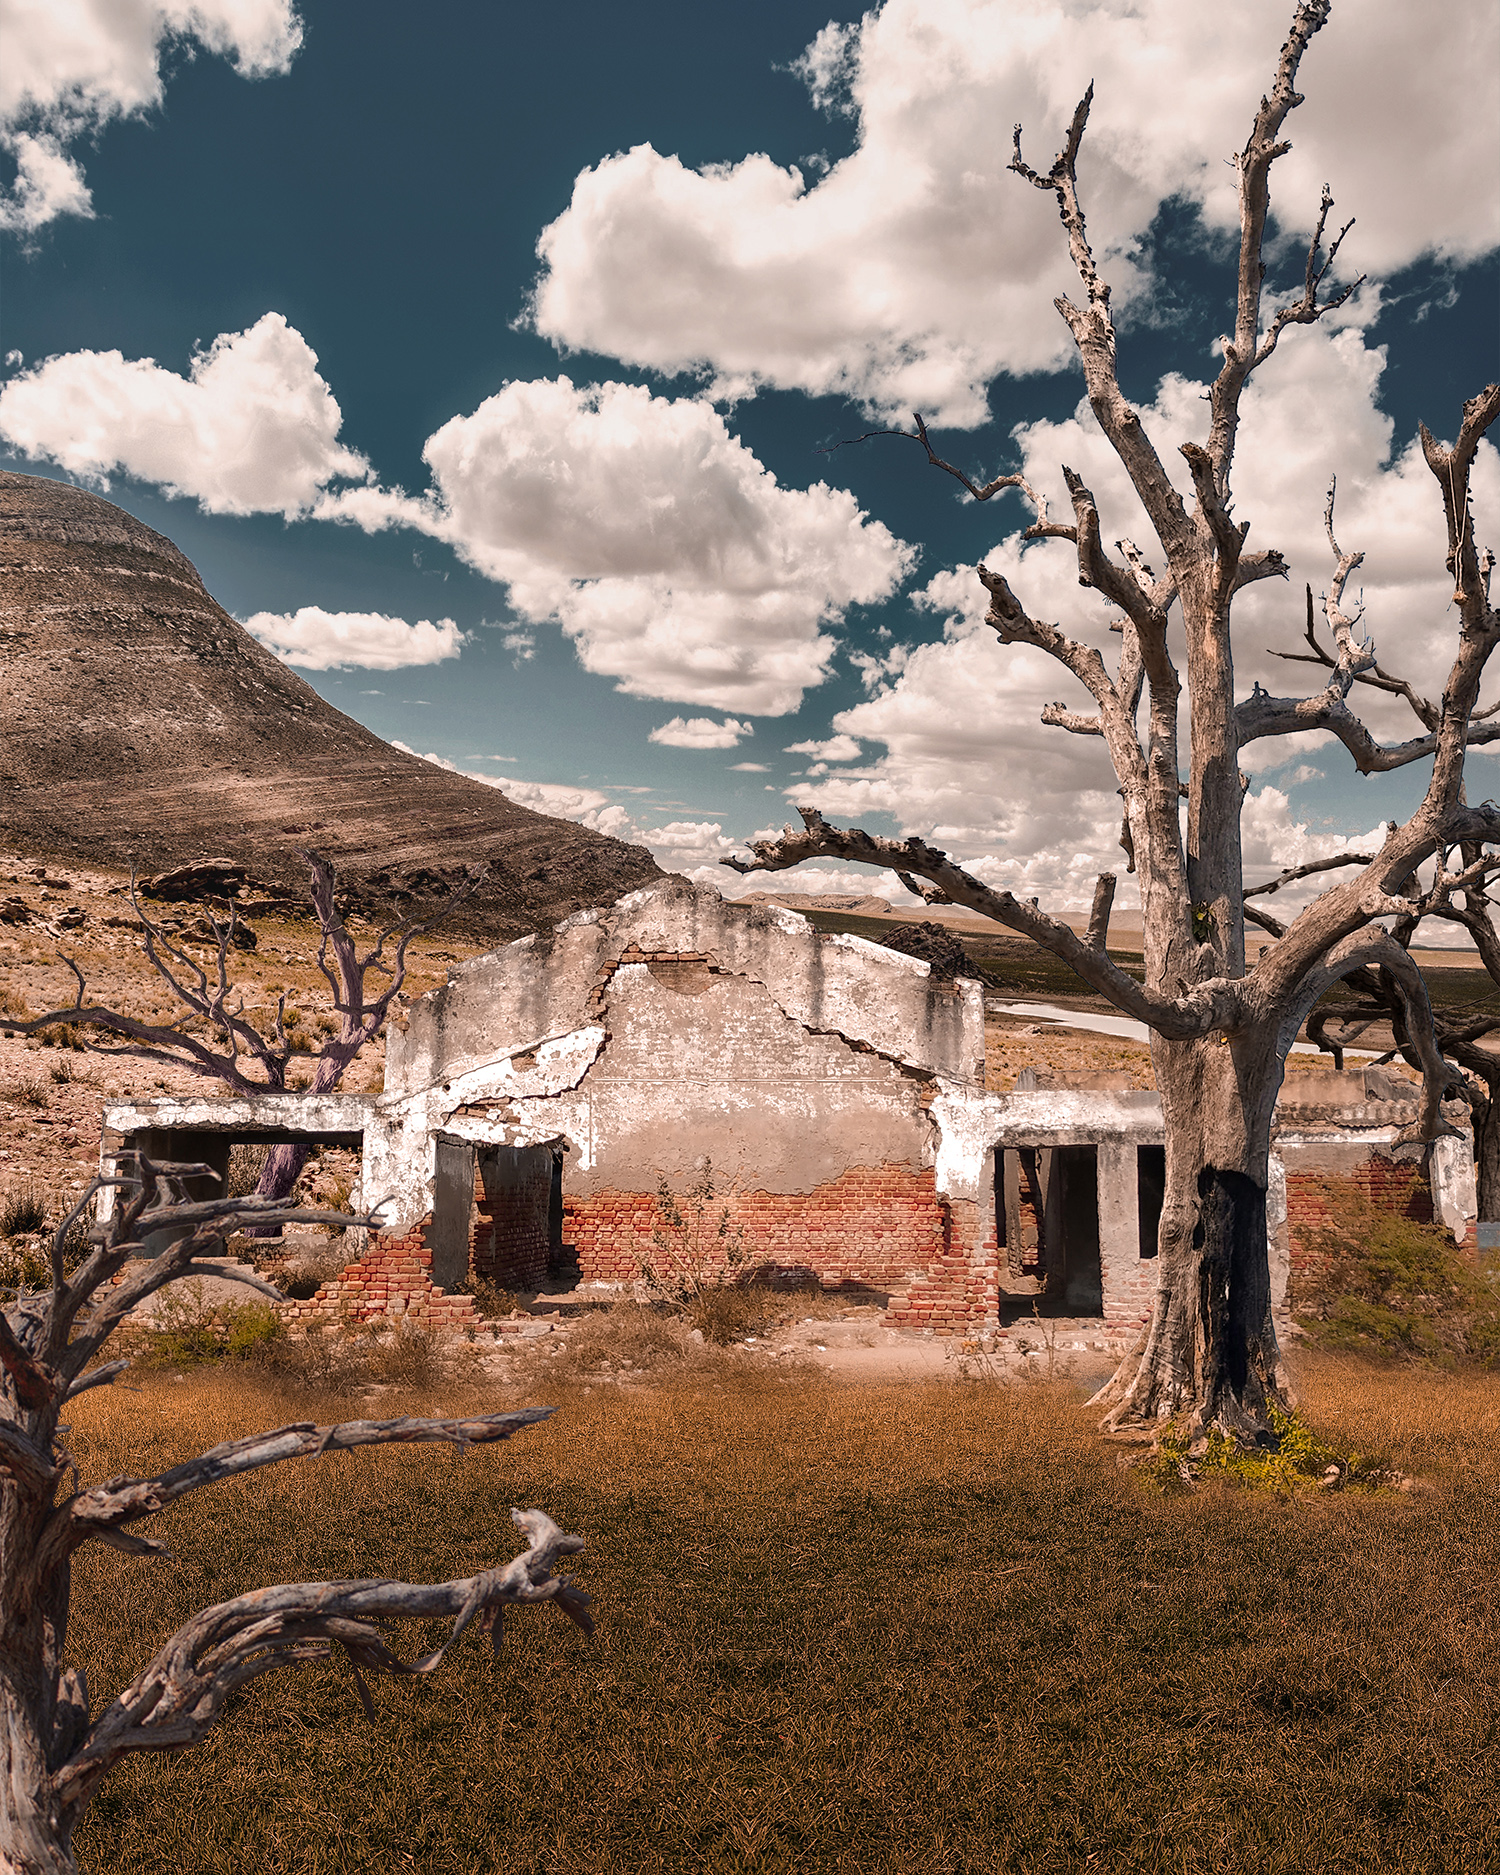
[{"x": 322, "y": 224}]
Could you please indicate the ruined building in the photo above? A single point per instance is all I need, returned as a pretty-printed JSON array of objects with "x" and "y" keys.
[{"x": 532, "y": 1105}]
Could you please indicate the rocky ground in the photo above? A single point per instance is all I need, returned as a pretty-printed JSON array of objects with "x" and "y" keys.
[{"x": 52, "y": 1091}]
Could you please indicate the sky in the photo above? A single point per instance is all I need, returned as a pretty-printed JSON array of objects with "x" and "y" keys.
[{"x": 498, "y": 367}]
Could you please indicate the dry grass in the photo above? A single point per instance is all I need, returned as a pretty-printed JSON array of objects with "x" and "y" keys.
[{"x": 864, "y": 1629}]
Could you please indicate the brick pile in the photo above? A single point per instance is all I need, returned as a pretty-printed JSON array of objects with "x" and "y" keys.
[{"x": 392, "y": 1279}]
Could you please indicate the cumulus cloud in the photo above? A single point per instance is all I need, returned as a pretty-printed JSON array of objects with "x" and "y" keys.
[
  {"x": 670, "y": 555},
  {"x": 70, "y": 69},
  {"x": 315, "y": 640},
  {"x": 880, "y": 280},
  {"x": 833, "y": 749},
  {"x": 967, "y": 763},
  {"x": 701, "y": 732},
  {"x": 251, "y": 429},
  {"x": 522, "y": 645}
]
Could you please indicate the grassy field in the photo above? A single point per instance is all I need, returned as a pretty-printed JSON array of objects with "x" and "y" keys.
[{"x": 928, "y": 1628}]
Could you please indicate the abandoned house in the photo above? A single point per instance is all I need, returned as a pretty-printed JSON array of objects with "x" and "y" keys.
[{"x": 533, "y": 1105}]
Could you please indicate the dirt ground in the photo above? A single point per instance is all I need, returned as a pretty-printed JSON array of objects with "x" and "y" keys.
[{"x": 52, "y": 1093}]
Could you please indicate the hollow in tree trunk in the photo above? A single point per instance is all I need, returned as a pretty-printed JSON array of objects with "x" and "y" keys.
[{"x": 1210, "y": 1352}]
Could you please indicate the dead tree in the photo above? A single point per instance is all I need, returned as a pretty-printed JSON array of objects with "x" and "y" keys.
[
  {"x": 55, "y": 1750},
  {"x": 215, "y": 1038},
  {"x": 1220, "y": 1032}
]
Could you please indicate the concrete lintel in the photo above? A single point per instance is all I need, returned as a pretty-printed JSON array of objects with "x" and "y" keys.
[{"x": 297, "y": 1117}]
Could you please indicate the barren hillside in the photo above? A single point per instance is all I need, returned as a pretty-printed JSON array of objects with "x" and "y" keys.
[{"x": 141, "y": 726}]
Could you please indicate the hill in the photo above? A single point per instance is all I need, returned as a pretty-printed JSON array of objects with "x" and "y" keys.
[{"x": 141, "y": 726}]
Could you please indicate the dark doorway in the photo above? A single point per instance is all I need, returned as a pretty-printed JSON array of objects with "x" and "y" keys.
[
  {"x": 452, "y": 1206},
  {"x": 517, "y": 1216},
  {"x": 1076, "y": 1257},
  {"x": 1151, "y": 1193},
  {"x": 1047, "y": 1227}
]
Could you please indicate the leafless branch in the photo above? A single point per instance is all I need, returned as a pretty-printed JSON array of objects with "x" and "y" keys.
[
  {"x": 1307, "y": 871},
  {"x": 1207, "y": 1006},
  {"x": 174, "y": 1700}
]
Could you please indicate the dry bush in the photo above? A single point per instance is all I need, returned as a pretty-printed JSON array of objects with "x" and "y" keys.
[
  {"x": 1389, "y": 1285},
  {"x": 728, "y": 1312},
  {"x": 62, "y": 1035},
  {"x": 246, "y": 1163},
  {"x": 627, "y": 1337},
  {"x": 31, "y": 1092},
  {"x": 23, "y": 1210},
  {"x": 491, "y": 1303},
  {"x": 861, "y": 1630}
]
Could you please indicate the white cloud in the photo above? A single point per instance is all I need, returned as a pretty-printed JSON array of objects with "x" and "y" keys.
[
  {"x": 251, "y": 429},
  {"x": 48, "y": 183},
  {"x": 315, "y": 640},
  {"x": 967, "y": 763},
  {"x": 749, "y": 768},
  {"x": 72, "y": 66},
  {"x": 701, "y": 732},
  {"x": 670, "y": 555},
  {"x": 834, "y": 749},
  {"x": 881, "y": 280},
  {"x": 523, "y": 644}
]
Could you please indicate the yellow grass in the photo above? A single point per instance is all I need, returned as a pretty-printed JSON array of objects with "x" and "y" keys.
[{"x": 893, "y": 1628}]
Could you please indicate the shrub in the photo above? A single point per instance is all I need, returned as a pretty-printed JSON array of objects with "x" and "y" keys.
[
  {"x": 187, "y": 1329},
  {"x": 28, "y": 1093},
  {"x": 22, "y": 1211},
  {"x": 1390, "y": 1285},
  {"x": 728, "y": 1312},
  {"x": 61, "y": 1035},
  {"x": 62, "y": 1072},
  {"x": 626, "y": 1336},
  {"x": 1299, "y": 1460},
  {"x": 246, "y": 1163},
  {"x": 691, "y": 1249},
  {"x": 490, "y": 1301}
]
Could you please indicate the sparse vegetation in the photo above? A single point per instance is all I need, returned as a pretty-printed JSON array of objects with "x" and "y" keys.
[
  {"x": 188, "y": 1329},
  {"x": 22, "y": 1211},
  {"x": 692, "y": 1249},
  {"x": 1386, "y": 1284},
  {"x": 31, "y": 1092},
  {"x": 1296, "y": 1459},
  {"x": 853, "y": 1630}
]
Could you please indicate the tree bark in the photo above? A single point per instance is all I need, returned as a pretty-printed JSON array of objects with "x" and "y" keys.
[
  {"x": 1486, "y": 1116},
  {"x": 34, "y": 1837},
  {"x": 281, "y": 1171},
  {"x": 36, "y": 1716},
  {"x": 1210, "y": 1353}
]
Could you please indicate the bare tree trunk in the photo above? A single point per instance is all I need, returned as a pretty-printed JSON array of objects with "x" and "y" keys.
[
  {"x": 33, "y": 1837},
  {"x": 36, "y": 1717},
  {"x": 1486, "y": 1116},
  {"x": 1211, "y": 1351},
  {"x": 281, "y": 1171}
]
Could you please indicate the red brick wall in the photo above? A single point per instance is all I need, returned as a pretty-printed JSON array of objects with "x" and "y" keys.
[
  {"x": 869, "y": 1227},
  {"x": 508, "y": 1245},
  {"x": 1317, "y": 1200}
]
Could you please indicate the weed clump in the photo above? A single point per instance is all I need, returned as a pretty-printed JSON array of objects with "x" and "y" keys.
[
  {"x": 1298, "y": 1460},
  {"x": 691, "y": 1249},
  {"x": 186, "y": 1329},
  {"x": 1390, "y": 1285},
  {"x": 22, "y": 1212}
]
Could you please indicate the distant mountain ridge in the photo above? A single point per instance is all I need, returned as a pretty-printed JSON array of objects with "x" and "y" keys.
[{"x": 140, "y": 725}]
